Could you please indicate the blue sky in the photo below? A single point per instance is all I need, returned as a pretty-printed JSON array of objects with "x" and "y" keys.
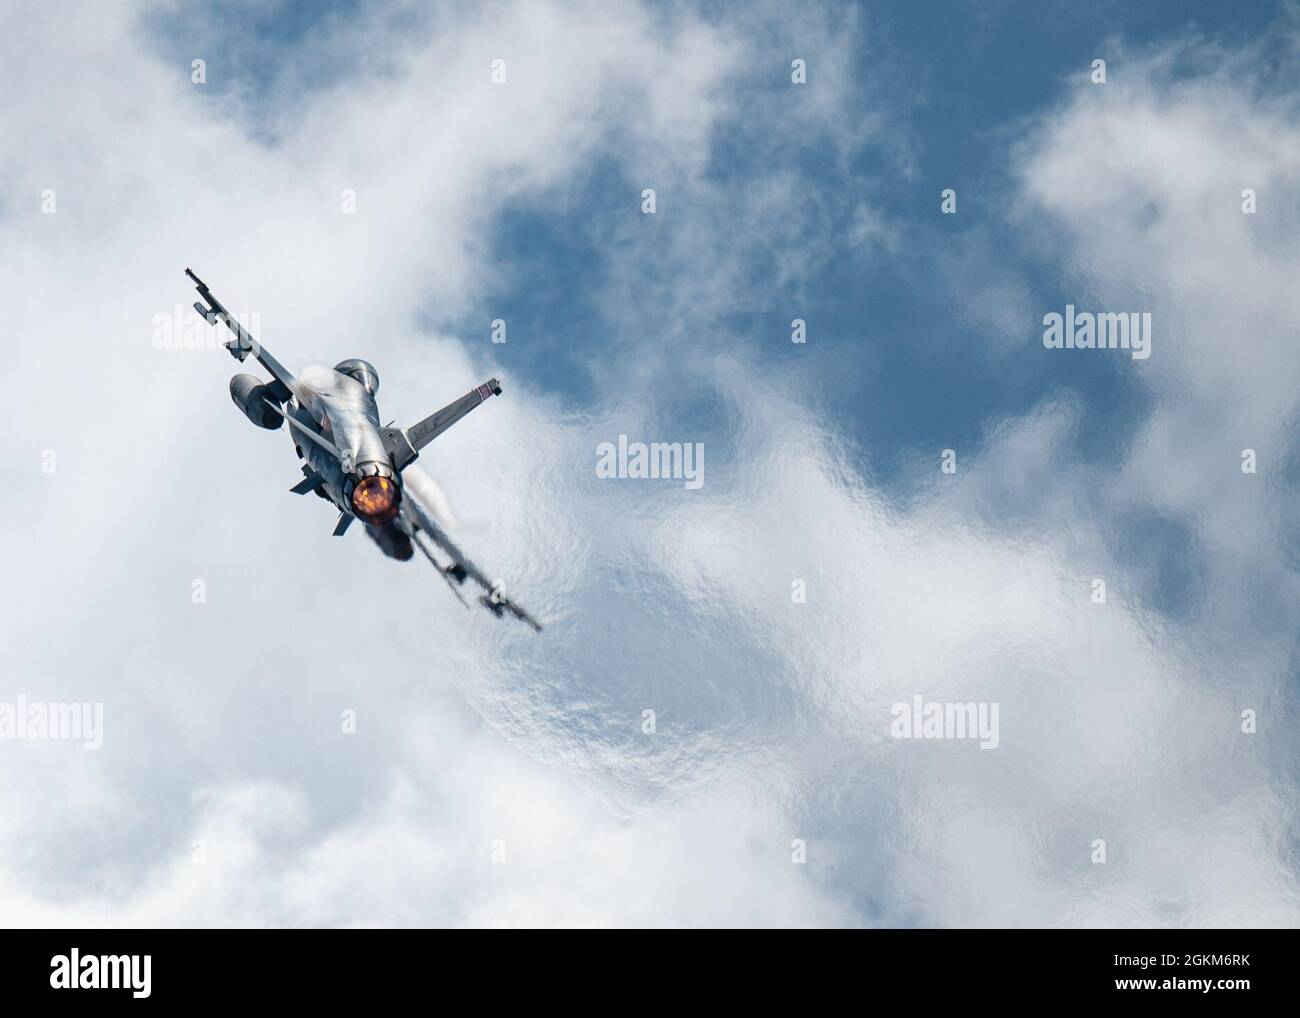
[
  {"x": 955, "y": 79},
  {"x": 1121, "y": 720}
]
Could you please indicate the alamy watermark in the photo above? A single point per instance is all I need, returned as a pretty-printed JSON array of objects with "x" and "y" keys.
[
  {"x": 1106, "y": 330},
  {"x": 184, "y": 329},
  {"x": 35, "y": 719},
  {"x": 945, "y": 720},
  {"x": 681, "y": 461},
  {"x": 75, "y": 971}
]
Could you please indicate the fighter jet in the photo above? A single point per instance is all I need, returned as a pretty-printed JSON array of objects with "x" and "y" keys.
[{"x": 352, "y": 462}]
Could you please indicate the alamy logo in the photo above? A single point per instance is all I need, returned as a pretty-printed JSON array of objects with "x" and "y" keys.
[
  {"x": 101, "y": 972},
  {"x": 181, "y": 329},
  {"x": 33, "y": 719},
  {"x": 682, "y": 461},
  {"x": 940, "y": 720},
  {"x": 1108, "y": 330}
]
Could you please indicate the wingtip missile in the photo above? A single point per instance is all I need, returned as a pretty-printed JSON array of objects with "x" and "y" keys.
[{"x": 500, "y": 605}]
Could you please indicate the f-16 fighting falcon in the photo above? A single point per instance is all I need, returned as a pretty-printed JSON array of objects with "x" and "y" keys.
[{"x": 348, "y": 459}]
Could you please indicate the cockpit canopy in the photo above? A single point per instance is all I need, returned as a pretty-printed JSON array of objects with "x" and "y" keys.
[{"x": 363, "y": 371}]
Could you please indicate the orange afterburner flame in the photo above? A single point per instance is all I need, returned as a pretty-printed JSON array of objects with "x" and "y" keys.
[{"x": 375, "y": 500}]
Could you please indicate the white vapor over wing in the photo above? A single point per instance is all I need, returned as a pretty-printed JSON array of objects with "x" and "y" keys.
[{"x": 430, "y": 494}]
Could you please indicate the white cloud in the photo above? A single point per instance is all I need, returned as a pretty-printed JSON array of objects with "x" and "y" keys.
[
  {"x": 1138, "y": 187},
  {"x": 772, "y": 718},
  {"x": 223, "y": 719}
]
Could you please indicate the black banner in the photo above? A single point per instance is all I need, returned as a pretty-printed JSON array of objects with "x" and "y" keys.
[{"x": 927, "y": 968}]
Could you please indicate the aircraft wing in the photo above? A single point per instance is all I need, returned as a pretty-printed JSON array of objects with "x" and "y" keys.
[
  {"x": 404, "y": 444},
  {"x": 243, "y": 344},
  {"x": 462, "y": 567}
]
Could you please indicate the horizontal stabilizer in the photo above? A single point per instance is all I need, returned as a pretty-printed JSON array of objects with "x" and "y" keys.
[{"x": 309, "y": 483}]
